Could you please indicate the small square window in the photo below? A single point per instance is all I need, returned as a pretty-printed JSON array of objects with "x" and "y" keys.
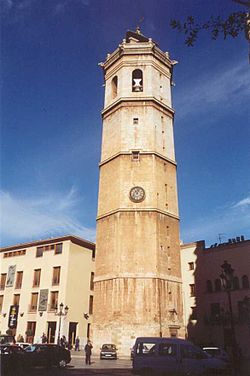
[
  {"x": 191, "y": 265},
  {"x": 58, "y": 249},
  {"x": 192, "y": 290},
  {"x": 135, "y": 155},
  {"x": 136, "y": 121},
  {"x": 39, "y": 251}
]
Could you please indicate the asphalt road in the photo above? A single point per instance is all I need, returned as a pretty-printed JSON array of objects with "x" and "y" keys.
[{"x": 77, "y": 367}]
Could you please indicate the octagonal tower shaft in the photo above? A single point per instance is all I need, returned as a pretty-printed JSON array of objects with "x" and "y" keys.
[{"x": 138, "y": 274}]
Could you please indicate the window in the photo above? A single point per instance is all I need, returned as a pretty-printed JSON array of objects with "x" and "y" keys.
[
  {"x": 30, "y": 331},
  {"x": 19, "y": 279},
  {"x": 135, "y": 121},
  {"x": 114, "y": 85},
  {"x": 192, "y": 352},
  {"x": 209, "y": 286},
  {"x": 245, "y": 282},
  {"x": 135, "y": 155},
  {"x": 39, "y": 251},
  {"x": 145, "y": 348},
  {"x": 217, "y": 285},
  {"x": 236, "y": 283},
  {"x": 91, "y": 298},
  {"x": 3, "y": 281},
  {"x": 242, "y": 311},
  {"x": 1, "y": 303},
  {"x": 56, "y": 275},
  {"x": 34, "y": 300},
  {"x": 92, "y": 281},
  {"x": 193, "y": 315},
  {"x": 37, "y": 276},
  {"x": 15, "y": 253},
  {"x": 215, "y": 311},
  {"x": 16, "y": 299},
  {"x": 191, "y": 265},
  {"x": 53, "y": 300},
  {"x": 192, "y": 289},
  {"x": 58, "y": 249},
  {"x": 88, "y": 330},
  {"x": 167, "y": 349},
  {"x": 137, "y": 80}
]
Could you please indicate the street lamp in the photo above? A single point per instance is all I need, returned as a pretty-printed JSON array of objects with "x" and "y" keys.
[
  {"x": 226, "y": 277},
  {"x": 60, "y": 313}
]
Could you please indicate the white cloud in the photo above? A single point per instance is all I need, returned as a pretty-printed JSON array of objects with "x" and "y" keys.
[
  {"x": 230, "y": 221},
  {"x": 229, "y": 87},
  {"x": 31, "y": 219},
  {"x": 242, "y": 203}
]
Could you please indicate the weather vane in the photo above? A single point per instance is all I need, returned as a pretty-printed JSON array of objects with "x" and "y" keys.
[{"x": 138, "y": 30}]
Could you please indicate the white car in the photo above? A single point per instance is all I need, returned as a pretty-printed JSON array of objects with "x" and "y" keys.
[
  {"x": 217, "y": 352},
  {"x": 23, "y": 345}
]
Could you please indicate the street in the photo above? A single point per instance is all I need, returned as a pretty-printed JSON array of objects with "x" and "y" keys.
[{"x": 77, "y": 367}]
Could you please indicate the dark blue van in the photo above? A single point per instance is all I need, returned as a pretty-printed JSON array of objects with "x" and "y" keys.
[{"x": 174, "y": 356}]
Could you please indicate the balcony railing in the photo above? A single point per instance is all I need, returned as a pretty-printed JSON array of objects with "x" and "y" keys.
[
  {"x": 18, "y": 285},
  {"x": 55, "y": 281},
  {"x": 2, "y": 287}
]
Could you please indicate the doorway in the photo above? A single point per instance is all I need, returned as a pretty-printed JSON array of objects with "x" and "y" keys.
[
  {"x": 51, "y": 331},
  {"x": 72, "y": 333}
]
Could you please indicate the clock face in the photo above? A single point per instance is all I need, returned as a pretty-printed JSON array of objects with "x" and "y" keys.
[{"x": 137, "y": 194}]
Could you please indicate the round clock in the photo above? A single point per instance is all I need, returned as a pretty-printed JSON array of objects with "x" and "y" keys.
[{"x": 137, "y": 194}]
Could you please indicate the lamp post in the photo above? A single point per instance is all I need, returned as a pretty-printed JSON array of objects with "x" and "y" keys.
[
  {"x": 226, "y": 277},
  {"x": 60, "y": 313}
]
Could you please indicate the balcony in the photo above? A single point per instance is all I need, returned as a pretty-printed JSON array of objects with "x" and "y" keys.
[
  {"x": 18, "y": 285},
  {"x": 2, "y": 287}
]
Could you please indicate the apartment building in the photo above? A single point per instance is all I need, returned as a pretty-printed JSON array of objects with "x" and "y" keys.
[
  {"x": 47, "y": 287},
  {"x": 216, "y": 313}
]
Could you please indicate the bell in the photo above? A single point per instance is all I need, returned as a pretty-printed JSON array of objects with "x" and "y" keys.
[{"x": 137, "y": 85}]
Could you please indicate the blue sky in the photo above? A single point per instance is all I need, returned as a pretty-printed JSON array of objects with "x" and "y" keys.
[{"x": 52, "y": 96}]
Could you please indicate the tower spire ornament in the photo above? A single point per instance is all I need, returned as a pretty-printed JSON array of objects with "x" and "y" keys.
[{"x": 138, "y": 274}]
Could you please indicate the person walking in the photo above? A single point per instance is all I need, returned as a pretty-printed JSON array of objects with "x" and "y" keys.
[
  {"x": 77, "y": 344},
  {"x": 88, "y": 348}
]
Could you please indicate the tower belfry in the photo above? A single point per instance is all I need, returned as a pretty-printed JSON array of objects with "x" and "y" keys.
[{"x": 138, "y": 273}]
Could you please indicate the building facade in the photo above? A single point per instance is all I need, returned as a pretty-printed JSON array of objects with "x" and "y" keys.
[
  {"x": 138, "y": 274},
  {"x": 35, "y": 278},
  {"x": 207, "y": 301}
]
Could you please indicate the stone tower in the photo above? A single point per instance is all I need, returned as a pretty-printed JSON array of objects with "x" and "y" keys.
[{"x": 138, "y": 274}]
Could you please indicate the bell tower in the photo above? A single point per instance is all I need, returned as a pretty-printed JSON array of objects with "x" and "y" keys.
[{"x": 138, "y": 273}]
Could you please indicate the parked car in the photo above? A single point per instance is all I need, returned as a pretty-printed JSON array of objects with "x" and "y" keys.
[
  {"x": 13, "y": 360},
  {"x": 7, "y": 339},
  {"x": 217, "y": 352},
  {"x": 47, "y": 355},
  {"x": 108, "y": 351},
  {"x": 23, "y": 345},
  {"x": 174, "y": 356}
]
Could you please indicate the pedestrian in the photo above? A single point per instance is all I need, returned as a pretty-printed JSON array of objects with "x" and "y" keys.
[
  {"x": 77, "y": 344},
  {"x": 88, "y": 348},
  {"x": 44, "y": 338},
  {"x": 63, "y": 341}
]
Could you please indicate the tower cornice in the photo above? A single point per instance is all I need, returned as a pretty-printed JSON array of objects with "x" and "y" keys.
[
  {"x": 162, "y": 277},
  {"x": 148, "y": 48},
  {"x": 137, "y": 210},
  {"x": 128, "y": 101},
  {"x": 141, "y": 153}
]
